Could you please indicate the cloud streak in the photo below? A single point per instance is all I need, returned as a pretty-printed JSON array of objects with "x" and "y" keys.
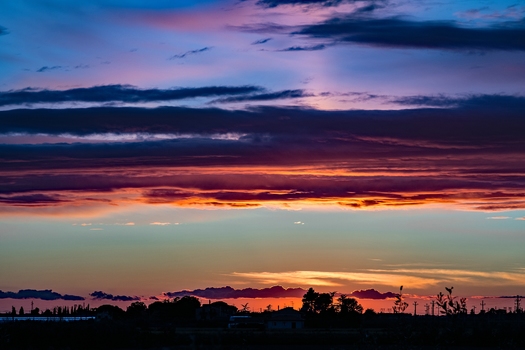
[
  {"x": 117, "y": 93},
  {"x": 48, "y": 68},
  {"x": 326, "y": 3},
  {"x": 416, "y": 278},
  {"x": 271, "y": 96},
  {"x": 189, "y": 53}
]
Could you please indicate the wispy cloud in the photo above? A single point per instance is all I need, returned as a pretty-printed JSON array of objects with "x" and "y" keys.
[
  {"x": 305, "y": 48},
  {"x": 326, "y": 3},
  {"x": 48, "y": 68},
  {"x": 189, "y": 53},
  {"x": 261, "y": 41},
  {"x": 416, "y": 278},
  {"x": 498, "y": 217},
  {"x": 335, "y": 279}
]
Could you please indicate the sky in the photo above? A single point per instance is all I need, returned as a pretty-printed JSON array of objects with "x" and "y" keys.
[{"x": 157, "y": 149}]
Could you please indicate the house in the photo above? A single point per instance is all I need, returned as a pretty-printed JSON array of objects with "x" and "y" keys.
[
  {"x": 217, "y": 311},
  {"x": 286, "y": 318}
]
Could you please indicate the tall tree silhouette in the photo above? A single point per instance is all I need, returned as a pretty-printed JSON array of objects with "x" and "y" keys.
[
  {"x": 399, "y": 304},
  {"x": 309, "y": 299}
]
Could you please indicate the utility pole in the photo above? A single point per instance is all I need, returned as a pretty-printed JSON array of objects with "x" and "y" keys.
[
  {"x": 483, "y": 306},
  {"x": 433, "y": 302},
  {"x": 415, "y": 306}
]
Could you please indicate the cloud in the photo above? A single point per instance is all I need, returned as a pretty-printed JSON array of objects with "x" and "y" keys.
[
  {"x": 337, "y": 279},
  {"x": 156, "y": 223},
  {"x": 401, "y": 33},
  {"x": 47, "y": 68},
  {"x": 511, "y": 12},
  {"x": 263, "y": 28},
  {"x": 46, "y": 294},
  {"x": 3, "y": 31},
  {"x": 261, "y": 41},
  {"x": 415, "y": 278},
  {"x": 98, "y": 295},
  {"x": 271, "y": 96},
  {"x": 305, "y": 48},
  {"x": 275, "y": 3},
  {"x": 31, "y": 200},
  {"x": 498, "y": 217},
  {"x": 231, "y": 293},
  {"x": 467, "y": 155},
  {"x": 117, "y": 93},
  {"x": 298, "y": 223},
  {"x": 191, "y": 52},
  {"x": 372, "y": 294},
  {"x": 523, "y": 218},
  {"x": 461, "y": 101}
]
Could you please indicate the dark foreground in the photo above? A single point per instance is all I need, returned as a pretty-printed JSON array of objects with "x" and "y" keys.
[{"x": 378, "y": 332}]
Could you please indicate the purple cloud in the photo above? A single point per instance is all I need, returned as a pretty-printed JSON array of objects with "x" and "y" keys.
[
  {"x": 45, "y": 294},
  {"x": 99, "y": 295},
  {"x": 231, "y": 293}
]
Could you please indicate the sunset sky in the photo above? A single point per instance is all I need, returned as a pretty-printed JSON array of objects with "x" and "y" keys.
[{"x": 152, "y": 147}]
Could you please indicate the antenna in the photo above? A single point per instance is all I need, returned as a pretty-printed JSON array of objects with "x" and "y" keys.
[{"x": 415, "y": 306}]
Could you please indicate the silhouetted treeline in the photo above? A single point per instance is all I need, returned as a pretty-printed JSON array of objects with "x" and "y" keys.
[{"x": 341, "y": 322}]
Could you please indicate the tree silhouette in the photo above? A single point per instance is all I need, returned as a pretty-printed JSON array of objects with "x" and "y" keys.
[
  {"x": 245, "y": 308},
  {"x": 136, "y": 309},
  {"x": 324, "y": 302},
  {"x": 448, "y": 304},
  {"x": 348, "y": 305},
  {"x": 21, "y": 311},
  {"x": 399, "y": 305},
  {"x": 309, "y": 300}
]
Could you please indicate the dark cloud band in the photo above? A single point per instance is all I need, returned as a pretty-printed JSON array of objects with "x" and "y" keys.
[
  {"x": 117, "y": 93},
  {"x": 231, "y": 293},
  {"x": 46, "y": 294},
  {"x": 401, "y": 33},
  {"x": 469, "y": 154},
  {"x": 99, "y": 295}
]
